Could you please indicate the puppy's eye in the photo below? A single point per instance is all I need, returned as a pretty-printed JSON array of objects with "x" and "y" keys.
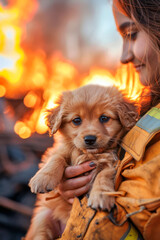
[
  {"x": 77, "y": 121},
  {"x": 104, "y": 119}
]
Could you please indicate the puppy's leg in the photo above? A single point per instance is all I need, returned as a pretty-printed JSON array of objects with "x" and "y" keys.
[
  {"x": 43, "y": 227},
  {"x": 104, "y": 182},
  {"x": 49, "y": 176}
]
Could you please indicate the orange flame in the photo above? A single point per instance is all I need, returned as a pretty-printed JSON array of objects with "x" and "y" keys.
[
  {"x": 12, "y": 29},
  {"x": 38, "y": 86}
]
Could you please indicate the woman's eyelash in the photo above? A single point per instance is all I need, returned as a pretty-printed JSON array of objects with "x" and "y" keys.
[{"x": 130, "y": 36}]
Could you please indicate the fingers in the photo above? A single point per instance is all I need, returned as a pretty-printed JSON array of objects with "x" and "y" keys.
[
  {"x": 74, "y": 171},
  {"x": 69, "y": 195},
  {"x": 74, "y": 183},
  {"x": 78, "y": 192}
]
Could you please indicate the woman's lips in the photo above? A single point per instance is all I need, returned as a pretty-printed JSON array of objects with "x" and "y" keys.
[{"x": 138, "y": 67}]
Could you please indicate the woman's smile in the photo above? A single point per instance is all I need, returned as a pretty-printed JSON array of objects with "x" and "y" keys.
[{"x": 139, "y": 67}]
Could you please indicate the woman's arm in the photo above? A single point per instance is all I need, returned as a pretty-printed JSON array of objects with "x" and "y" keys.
[{"x": 74, "y": 182}]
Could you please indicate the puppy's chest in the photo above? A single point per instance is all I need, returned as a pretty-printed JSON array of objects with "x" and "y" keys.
[{"x": 108, "y": 158}]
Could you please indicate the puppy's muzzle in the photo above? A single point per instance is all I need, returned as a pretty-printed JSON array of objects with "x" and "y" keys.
[{"x": 90, "y": 140}]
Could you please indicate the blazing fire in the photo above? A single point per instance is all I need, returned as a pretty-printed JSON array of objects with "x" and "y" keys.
[{"x": 37, "y": 86}]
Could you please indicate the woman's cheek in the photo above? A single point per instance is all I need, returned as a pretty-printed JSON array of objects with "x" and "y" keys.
[{"x": 140, "y": 48}]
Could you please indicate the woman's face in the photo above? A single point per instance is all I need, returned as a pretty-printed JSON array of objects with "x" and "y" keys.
[{"x": 136, "y": 46}]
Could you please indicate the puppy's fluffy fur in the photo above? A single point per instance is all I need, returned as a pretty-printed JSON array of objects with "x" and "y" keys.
[{"x": 91, "y": 121}]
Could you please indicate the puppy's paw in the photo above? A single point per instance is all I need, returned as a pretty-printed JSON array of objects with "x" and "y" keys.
[
  {"x": 99, "y": 200},
  {"x": 42, "y": 183}
]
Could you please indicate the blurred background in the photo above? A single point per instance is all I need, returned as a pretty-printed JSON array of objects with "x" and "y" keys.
[{"x": 46, "y": 46}]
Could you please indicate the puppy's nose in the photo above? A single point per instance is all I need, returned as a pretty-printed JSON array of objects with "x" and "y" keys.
[{"x": 90, "y": 139}]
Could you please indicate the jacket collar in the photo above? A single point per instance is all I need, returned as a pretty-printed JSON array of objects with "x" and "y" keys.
[{"x": 136, "y": 140}]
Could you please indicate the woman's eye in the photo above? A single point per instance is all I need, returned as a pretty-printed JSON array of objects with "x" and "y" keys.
[
  {"x": 77, "y": 121},
  {"x": 130, "y": 36},
  {"x": 104, "y": 119}
]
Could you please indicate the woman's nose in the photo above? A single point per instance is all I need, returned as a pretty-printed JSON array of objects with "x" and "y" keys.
[{"x": 127, "y": 53}]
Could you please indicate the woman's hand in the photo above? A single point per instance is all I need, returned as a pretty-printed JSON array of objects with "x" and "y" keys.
[{"x": 75, "y": 183}]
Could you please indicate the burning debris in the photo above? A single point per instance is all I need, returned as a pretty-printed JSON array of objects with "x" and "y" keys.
[{"x": 19, "y": 160}]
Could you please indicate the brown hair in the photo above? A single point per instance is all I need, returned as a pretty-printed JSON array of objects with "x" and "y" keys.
[{"x": 146, "y": 14}]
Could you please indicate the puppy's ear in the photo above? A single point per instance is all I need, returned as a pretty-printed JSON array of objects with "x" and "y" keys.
[
  {"x": 54, "y": 119},
  {"x": 128, "y": 113},
  {"x": 55, "y": 116}
]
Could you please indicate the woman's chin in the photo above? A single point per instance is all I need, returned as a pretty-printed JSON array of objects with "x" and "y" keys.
[
  {"x": 143, "y": 77},
  {"x": 144, "y": 82}
]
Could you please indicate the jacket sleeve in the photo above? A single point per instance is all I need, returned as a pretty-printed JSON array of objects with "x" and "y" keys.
[
  {"x": 88, "y": 224},
  {"x": 138, "y": 175},
  {"x": 141, "y": 192}
]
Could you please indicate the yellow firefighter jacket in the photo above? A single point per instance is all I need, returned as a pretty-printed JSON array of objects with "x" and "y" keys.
[{"x": 137, "y": 211}]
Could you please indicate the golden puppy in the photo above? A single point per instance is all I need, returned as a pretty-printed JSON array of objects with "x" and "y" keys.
[{"x": 91, "y": 121}]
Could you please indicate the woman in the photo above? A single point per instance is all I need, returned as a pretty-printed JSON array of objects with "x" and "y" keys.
[{"x": 137, "y": 180}]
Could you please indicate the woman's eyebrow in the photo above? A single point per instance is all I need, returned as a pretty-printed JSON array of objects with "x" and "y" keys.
[{"x": 125, "y": 25}]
